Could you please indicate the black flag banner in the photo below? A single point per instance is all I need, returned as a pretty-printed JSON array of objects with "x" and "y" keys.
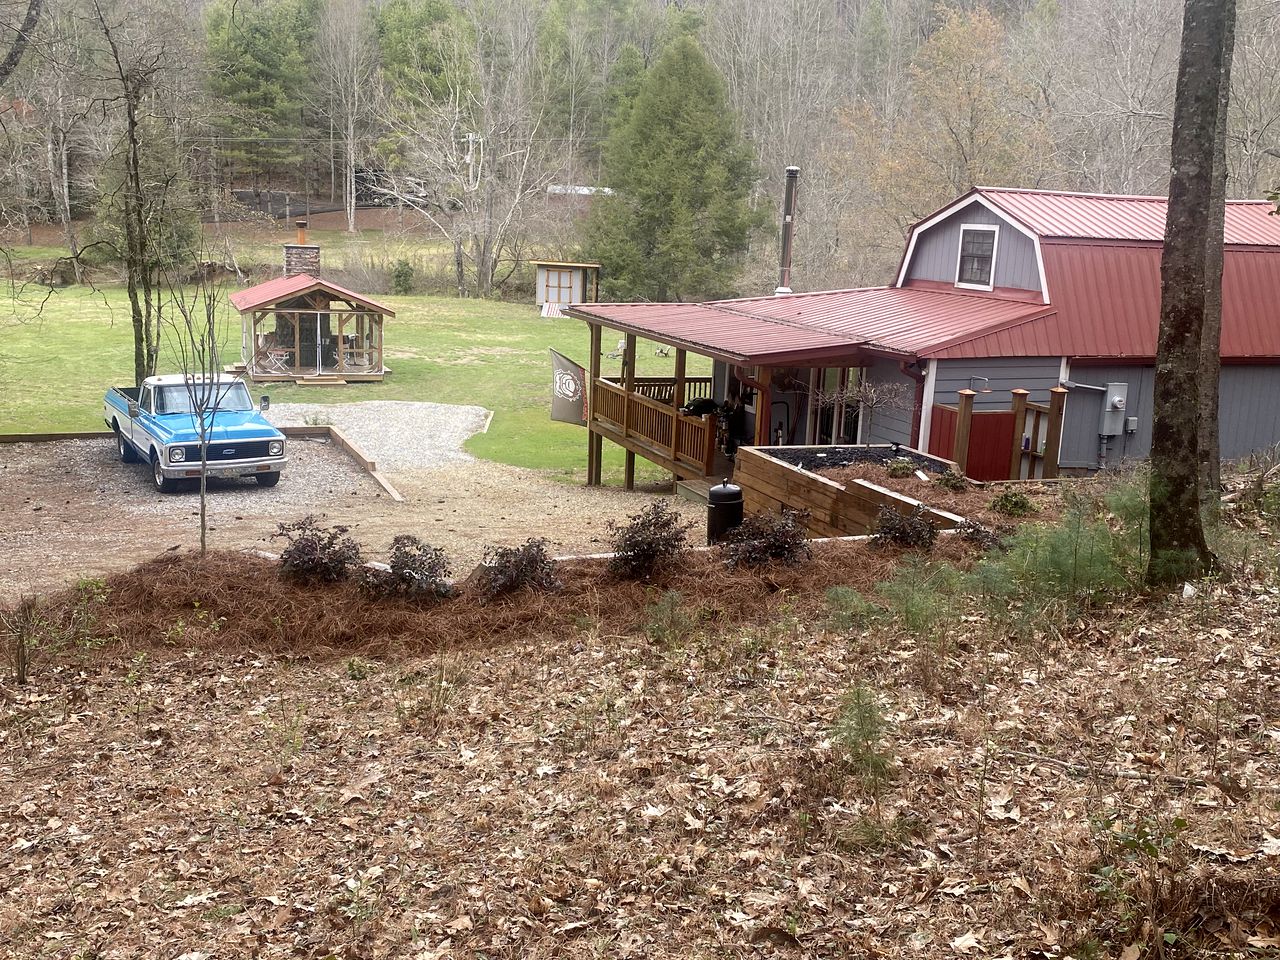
[{"x": 568, "y": 390}]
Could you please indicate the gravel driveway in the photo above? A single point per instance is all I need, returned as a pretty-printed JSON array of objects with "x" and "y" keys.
[{"x": 398, "y": 434}]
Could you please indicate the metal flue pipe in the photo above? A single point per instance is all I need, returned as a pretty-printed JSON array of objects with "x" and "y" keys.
[{"x": 788, "y": 229}]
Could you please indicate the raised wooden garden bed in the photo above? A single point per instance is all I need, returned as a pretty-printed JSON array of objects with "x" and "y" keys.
[{"x": 772, "y": 479}]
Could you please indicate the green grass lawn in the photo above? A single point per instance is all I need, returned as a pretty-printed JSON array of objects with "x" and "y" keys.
[{"x": 55, "y": 368}]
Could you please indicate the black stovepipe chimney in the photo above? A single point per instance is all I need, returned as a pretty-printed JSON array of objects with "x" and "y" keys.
[{"x": 788, "y": 228}]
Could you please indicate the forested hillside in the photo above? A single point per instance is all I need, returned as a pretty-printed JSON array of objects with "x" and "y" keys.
[{"x": 467, "y": 111}]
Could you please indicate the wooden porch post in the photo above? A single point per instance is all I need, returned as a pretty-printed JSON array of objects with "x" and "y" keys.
[
  {"x": 297, "y": 343},
  {"x": 964, "y": 423},
  {"x": 764, "y": 406},
  {"x": 1053, "y": 436},
  {"x": 629, "y": 384},
  {"x": 1019, "y": 427},
  {"x": 594, "y": 445},
  {"x": 677, "y": 401}
]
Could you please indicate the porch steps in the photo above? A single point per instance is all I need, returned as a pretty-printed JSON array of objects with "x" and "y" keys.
[
  {"x": 322, "y": 382},
  {"x": 695, "y": 491}
]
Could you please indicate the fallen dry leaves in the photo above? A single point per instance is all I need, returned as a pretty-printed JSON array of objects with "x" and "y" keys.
[{"x": 596, "y": 794}]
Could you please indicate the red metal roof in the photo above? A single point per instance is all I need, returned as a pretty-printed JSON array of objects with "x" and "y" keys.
[
  {"x": 1094, "y": 216},
  {"x": 286, "y": 288},
  {"x": 806, "y": 326},
  {"x": 1107, "y": 298}
]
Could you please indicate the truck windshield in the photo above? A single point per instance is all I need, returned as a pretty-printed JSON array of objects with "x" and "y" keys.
[{"x": 230, "y": 396}]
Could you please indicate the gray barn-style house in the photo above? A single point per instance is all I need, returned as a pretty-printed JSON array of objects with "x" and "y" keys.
[{"x": 1001, "y": 289}]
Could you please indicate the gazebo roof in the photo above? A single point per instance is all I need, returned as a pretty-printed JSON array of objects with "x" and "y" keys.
[{"x": 287, "y": 288}]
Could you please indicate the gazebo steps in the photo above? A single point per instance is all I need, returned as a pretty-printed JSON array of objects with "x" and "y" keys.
[{"x": 322, "y": 382}]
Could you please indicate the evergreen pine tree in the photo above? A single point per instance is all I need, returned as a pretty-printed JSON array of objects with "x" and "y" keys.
[{"x": 677, "y": 224}]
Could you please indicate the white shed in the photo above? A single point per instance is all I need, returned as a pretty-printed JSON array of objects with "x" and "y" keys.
[{"x": 564, "y": 283}]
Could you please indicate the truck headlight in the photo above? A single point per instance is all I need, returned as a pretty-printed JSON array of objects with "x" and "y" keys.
[
  {"x": 276, "y": 448},
  {"x": 177, "y": 454}
]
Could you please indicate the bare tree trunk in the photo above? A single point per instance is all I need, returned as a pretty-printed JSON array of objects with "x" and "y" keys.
[
  {"x": 22, "y": 40},
  {"x": 1211, "y": 347},
  {"x": 1178, "y": 548}
]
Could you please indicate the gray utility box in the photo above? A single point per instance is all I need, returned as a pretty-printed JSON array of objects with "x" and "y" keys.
[{"x": 1115, "y": 400}]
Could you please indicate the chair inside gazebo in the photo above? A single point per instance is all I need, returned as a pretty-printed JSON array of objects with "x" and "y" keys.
[{"x": 307, "y": 338}]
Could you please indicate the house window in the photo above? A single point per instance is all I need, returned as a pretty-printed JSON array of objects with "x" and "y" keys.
[{"x": 977, "y": 257}]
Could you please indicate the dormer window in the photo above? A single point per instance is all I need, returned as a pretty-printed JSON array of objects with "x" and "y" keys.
[{"x": 976, "y": 267}]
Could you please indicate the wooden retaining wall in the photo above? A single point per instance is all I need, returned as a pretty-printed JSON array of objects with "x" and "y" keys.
[{"x": 835, "y": 509}]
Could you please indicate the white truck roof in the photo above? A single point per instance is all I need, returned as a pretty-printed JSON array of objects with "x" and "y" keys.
[{"x": 178, "y": 379}]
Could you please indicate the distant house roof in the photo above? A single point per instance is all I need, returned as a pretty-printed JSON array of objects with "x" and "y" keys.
[
  {"x": 1094, "y": 216},
  {"x": 564, "y": 263},
  {"x": 287, "y": 288}
]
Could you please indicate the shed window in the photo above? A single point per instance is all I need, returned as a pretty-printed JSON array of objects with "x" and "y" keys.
[
  {"x": 977, "y": 256},
  {"x": 559, "y": 288}
]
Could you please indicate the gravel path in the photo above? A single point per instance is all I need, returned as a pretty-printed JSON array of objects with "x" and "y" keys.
[{"x": 398, "y": 434}]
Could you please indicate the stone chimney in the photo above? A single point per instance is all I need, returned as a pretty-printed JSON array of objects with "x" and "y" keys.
[{"x": 301, "y": 257}]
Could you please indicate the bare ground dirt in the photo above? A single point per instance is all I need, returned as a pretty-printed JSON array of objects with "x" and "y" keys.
[
  {"x": 70, "y": 509},
  {"x": 585, "y": 787}
]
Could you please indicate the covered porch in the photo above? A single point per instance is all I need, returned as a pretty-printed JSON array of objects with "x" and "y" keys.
[{"x": 690, "y": 425}]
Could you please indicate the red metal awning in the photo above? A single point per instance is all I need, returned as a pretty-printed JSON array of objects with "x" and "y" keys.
[{"x": 286, "y": 288}]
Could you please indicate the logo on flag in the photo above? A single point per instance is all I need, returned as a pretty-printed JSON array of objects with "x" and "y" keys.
[{"x": 568, "y": 390}]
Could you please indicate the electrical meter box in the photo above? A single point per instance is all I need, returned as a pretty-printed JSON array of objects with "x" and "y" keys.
[{"x": 1115, "y": 399}]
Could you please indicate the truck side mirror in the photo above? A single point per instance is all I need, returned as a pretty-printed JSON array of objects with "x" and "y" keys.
[
  {"x": 266, "y": 403},
  {"x": 133, "y": 409}
]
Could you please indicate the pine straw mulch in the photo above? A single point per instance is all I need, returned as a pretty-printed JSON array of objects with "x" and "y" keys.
[
  {"x": 584, "y": 793},
  {"x": 229, "y": 601},
  {"x": 973, "y": 503}
]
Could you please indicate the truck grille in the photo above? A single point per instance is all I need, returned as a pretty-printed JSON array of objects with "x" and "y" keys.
[{"x": 242, "y": 450}]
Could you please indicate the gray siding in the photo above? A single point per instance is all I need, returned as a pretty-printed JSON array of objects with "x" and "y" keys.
[
  {"x": 1080, "y": 419},
  {"x": 1249, "y": 417},
  {"x": 1003, "y": 374},
  {"x": 937, "y": 251},
  {"x": 889, "y": 424}
]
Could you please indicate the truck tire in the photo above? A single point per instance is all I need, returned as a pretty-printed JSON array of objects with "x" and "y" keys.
[
  {"x": 267, "y": 479},
  {"x": 124, "y": 447},
  {"x": 162, "y": 483}
]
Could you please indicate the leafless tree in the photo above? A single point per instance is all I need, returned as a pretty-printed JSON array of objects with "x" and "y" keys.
[
  {"x": 474, "y": 161},
  {"x": 194, "y": 323},
  {"x": 23, "y": 34},
  {"x": 345, "y": 68}
]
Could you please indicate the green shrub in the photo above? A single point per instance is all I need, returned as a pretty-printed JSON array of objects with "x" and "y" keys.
[
  {"x": 402, "y": 278},
  {"x": 847, "y": 609},
  {"x": 858, "y": 735},
  {"x": 914, "y": 530},
  {"x": 950, "y": 480},
  {"x": 921, "y": 595},
  {"x": 507, "y": 569},
  {"x": 665, "y": 621},
  {"x": 900, "y": 468},
  {"x": 1013, "y": 503},
  {"x": 765, "y": 538},
  {"x": 655, "y": 535}
]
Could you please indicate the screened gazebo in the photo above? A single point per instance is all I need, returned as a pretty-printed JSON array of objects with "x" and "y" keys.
[{"x": 308, "y": 330}]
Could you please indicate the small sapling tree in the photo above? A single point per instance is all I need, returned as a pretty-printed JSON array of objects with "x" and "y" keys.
[{"x": 193, "y": 323}]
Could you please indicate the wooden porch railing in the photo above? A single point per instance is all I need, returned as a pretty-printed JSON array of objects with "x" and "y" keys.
[
  {"x": 663, "y": 389},
  {"x": 658, "y": 426}
]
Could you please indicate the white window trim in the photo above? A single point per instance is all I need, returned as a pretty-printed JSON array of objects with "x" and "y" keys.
[{"x": 995, "y": 249}]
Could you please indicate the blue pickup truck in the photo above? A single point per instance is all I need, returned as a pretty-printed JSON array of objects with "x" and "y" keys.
[{"x": 156, "y": 425}]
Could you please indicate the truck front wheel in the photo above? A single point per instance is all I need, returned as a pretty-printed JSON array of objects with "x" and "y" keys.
[
  {"x": 267, "y": 479},
  {"x": 162, "y": 483},
  {"x": 125, "y": 448}
]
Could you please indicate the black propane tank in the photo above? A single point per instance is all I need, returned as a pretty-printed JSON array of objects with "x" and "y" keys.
[{"x": 724, "y": 510}]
